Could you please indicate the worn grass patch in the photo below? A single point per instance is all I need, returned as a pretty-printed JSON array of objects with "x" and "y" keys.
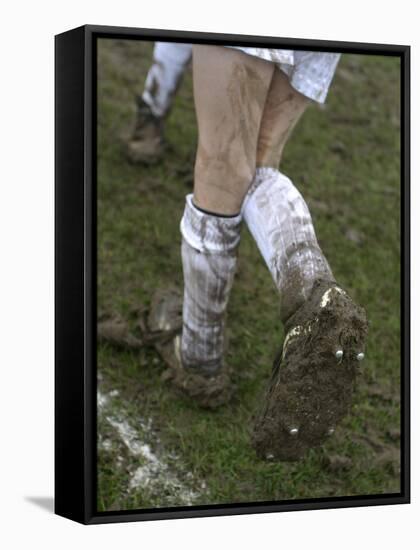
[{"x": 158, "y": 449}]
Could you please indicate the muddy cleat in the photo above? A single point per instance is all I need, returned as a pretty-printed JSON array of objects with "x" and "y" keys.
[
  {"x": 339, "y": 354},
  {"x": 145, "y": 145},
  {"x": 209, "y": 390},
  {"x": 308, "y": 386}
]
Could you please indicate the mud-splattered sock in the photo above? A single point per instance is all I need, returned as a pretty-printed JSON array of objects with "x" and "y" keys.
[
  {"x": 279, "y": 220},
  {"x": 209, "y": 253},
  {"x": 164, "y": 76}
]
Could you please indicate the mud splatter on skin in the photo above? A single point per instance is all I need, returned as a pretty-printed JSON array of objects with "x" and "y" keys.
[
  {"x": 247, "y": 92},
  {"x": 218, "y": 179},
  {"x": 263, "y": 110},
  {"x": 282, "y": 111},
  {"x": 228, "y": 126}
]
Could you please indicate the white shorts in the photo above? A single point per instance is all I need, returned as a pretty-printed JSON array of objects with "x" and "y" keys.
[{"x": 310, "y": 73}]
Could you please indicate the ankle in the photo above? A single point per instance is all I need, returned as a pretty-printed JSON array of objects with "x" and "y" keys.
[{"x": 294, "y": 313}]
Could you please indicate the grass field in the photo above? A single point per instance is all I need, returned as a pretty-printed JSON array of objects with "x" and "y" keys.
[{"x": 156, "y": 449}]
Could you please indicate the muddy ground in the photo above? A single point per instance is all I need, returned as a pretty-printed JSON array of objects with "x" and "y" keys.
[{"x": 157, "y": 449}]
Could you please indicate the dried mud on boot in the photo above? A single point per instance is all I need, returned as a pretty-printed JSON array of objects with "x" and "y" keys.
[
  {"x": 313, "y": 376},
  {"x": 144, "y": 142},
  {"x": 147, "y": 151},
  {"x": 165, "y": 318}
]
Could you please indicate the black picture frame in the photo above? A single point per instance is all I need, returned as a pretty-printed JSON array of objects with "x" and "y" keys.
[{"x": 75, "y": 274}]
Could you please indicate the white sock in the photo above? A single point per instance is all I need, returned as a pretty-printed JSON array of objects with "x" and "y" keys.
[
  {"x": 169, "y": 63},
  {"x": 209, "y": 253},
  {"x": 279, "y": 220}
]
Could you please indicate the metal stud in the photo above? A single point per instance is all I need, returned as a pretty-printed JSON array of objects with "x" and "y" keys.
[
  {"x": 294, "y": 431},
  {"x": 360, "y": 356},
  {"x": 339, "y": 354}
]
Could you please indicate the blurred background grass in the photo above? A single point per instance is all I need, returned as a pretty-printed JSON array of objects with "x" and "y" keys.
[{"x": 345, "y": 159}]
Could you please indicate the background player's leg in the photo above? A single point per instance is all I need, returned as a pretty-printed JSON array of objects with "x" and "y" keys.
[
  {"x": 146, "y": 142},
  {"x": 164, "y": 77}
]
